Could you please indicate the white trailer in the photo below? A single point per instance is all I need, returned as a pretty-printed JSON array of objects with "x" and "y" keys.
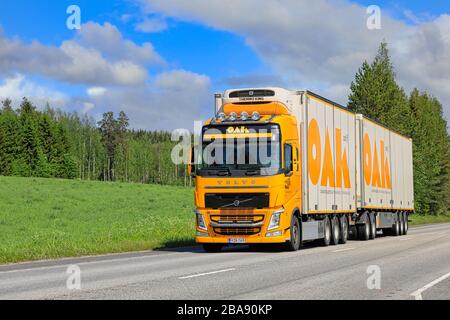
[{"x": 354, "y": 165}]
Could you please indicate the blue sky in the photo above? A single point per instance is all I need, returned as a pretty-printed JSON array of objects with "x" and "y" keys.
[
  {"x": 196, "y": 50},
  {"x": 190, "y": 46}
]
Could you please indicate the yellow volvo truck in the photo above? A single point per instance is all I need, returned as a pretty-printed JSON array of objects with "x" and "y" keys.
[{"x": 287, "y": 167}]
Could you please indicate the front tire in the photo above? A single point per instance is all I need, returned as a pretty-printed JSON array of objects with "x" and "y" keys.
[
  {"x": 335, "y": 231},
  {"x": 295, "y": 243},
  {"x": 212, "y": 247}
]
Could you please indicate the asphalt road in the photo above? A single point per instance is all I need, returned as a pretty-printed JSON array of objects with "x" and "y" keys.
[{"x": 409, "y": 267}]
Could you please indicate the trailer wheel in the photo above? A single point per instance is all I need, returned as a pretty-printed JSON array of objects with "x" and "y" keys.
[
  {"x": 344, "y": 230},
  {"x": 373, "y": 227},
  {"x": 335, "y": 231},
  {"x": 364, "y": 230},
  {"x": 406, "y": 222},
  {"x": 212, "y": 247},
  {"x": 395, "y": 230},
  {"x": 295, "y": 243},
  {"x": 401, "y": 219},
  {"x": 327, "y": 232}
]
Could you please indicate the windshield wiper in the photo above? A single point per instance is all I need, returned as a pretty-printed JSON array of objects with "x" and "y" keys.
[
  {"x": 252, "y": 172},
  {"x": 221, "y": 171}
]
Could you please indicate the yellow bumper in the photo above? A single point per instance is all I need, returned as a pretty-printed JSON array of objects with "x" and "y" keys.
[{"x": 248, "y": 240}]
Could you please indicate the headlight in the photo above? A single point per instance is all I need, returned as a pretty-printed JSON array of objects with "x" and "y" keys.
[
  {"x": 200, "y": 221},
  {"x": 244, "y": 116},
  {"x": 275, "y": 220}
]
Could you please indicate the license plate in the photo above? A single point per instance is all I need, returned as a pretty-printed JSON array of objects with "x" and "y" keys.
[{"x": 236, "y": 240}]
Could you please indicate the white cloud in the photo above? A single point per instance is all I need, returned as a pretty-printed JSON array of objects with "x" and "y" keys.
[
  {"x": 174, "y": 99},
  {"x": 320, "y": 44},
  {"x": 96, "y": 91},
  {"x": 151, "y": 25},
  {"x": 108, "y": 40},
  {"x": 87, "y": 106},
  {"x": 18, "y": 87},
  {"x": 98, "y": 55}
]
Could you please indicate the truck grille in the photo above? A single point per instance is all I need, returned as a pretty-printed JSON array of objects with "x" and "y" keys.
[
  {"x": 237, "y": 231},
  {"x": 237, "y": 218},
  {"x": 236, "y": 200}
]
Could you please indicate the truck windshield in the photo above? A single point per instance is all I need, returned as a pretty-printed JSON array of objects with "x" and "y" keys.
[{"x": 240, "y": 151}]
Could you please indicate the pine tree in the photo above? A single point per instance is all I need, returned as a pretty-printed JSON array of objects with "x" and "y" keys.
[
  {"x": 375, "y": 93},
  {"x": 8, "y": 138},
  {"x": 29, "y": 159},
  {"x": 108, "y": 129}
]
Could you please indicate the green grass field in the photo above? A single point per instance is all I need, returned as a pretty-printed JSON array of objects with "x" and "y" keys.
[
  {"x": 428, "y": 219},
  {"x": 49, "y": 218}
]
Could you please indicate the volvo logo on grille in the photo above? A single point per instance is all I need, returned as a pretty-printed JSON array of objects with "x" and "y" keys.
[{"x": 236, "y": 203}]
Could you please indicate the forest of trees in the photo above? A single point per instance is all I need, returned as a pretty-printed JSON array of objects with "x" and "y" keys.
[{"x": 52, "y": 143}]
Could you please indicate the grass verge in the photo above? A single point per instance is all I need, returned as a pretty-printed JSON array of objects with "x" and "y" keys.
[
  {"x": 49, "y": 218},
  {"x": 428, "y": 219}
]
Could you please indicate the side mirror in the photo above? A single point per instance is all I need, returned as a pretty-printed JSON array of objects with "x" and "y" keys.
[{"x": 288, "y": 160}]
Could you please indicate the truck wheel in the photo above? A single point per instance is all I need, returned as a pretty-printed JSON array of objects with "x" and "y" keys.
[
  {"x": 295, "y": 243},
  {"x": 401, "y": 220},
  {"x": 344, "y": 230},
  {"x": 373, "y": 227},
  {"x": 364, "y": 231},
  {"x": 212, "y": 247},
  {"x": 395, "y": 230},
  {"x": 406, "y": 224},
  {"x": 327, "y": 232},
  {"x": 335, "y": 231}
]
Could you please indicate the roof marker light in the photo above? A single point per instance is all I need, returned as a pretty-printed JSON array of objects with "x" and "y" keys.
[
  {"x": 233, "y": 116},
  {"x": 221, "y": 117},
  {"x": 256, "y": 116}
]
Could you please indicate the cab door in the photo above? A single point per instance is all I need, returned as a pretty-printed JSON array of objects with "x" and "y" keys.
[{"x": 292, "y": 170}]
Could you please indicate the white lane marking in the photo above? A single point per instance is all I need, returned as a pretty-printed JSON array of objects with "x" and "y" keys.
[
  {"x": 64, "y": 266},
  {"x": 206, "y": 273},
  {"x": 406, "y": 239},
  {"x": 347, "y": 249},
  {"x": 418, "y": 293}
]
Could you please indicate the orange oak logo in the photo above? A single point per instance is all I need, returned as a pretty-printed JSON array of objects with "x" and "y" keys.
[
  {"x": 376, "y": 167},
  {"x": 237, "y": 130},
  {"x": 318, "y": 163}
]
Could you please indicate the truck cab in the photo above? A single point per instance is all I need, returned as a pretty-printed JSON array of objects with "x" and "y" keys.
[{"x": 248, "y": 182}]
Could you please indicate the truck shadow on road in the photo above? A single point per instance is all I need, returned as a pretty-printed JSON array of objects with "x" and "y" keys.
[{"x": 252, "y": 248}]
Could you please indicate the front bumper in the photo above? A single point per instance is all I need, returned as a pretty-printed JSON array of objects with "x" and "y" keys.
[
  {"x": 213, "y": 221},
  {"x": 248, "y": 240}
]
